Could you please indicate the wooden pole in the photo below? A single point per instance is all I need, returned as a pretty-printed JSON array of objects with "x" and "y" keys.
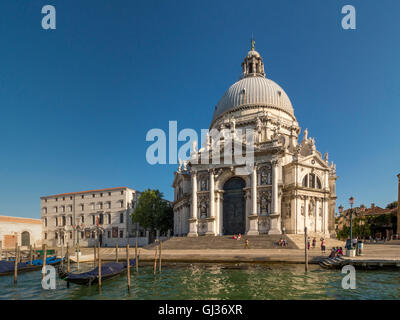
[
  {"x": 31, "y": 253},
  {"x": 1, "y": 250},
  {"x": 116, "y": 252},
  {"x": 94, "y": 255},
  {"x": 136, "y": 258},
  {"x": 128, "y": 267},
  {"x": 155, "y": 260},
  {"x": 6, "y": 255},
  {"x": 68, "y": 262},
  {"x": 44, "y": 259},
  {"x": 62, "y": 256},
  {"x": 159, "y": 264},
  {"x": 99, "y": 257},
  {"x": 16, "y": 263},
  {"x": 77, "y": 255},
  {"x": 305, "y": 249}
]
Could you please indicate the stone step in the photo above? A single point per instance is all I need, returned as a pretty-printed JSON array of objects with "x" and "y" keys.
[{"x": 223, "y": 242}]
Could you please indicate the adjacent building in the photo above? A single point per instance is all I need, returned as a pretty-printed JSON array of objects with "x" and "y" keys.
[
  {"x": 291, "y": 185},
  {"x": 86, "y": 217},
  {"x": 22, "y": 231}
]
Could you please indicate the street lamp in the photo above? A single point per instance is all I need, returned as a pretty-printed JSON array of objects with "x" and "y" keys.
[{"x": 351, "y": 201}]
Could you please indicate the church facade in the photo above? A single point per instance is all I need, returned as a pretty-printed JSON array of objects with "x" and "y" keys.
[{"x": 291, "y": 185}]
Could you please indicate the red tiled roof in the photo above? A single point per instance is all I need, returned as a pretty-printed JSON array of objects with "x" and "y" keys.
[
  {"x": 80, "y": 192},
  {"x": 20, "y": 220}
]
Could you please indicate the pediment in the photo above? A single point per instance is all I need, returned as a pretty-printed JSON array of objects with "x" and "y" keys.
[{"x": 314, "y": 161}]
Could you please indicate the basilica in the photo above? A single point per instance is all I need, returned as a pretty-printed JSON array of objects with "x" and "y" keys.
[{"x": 291, "y": 186}]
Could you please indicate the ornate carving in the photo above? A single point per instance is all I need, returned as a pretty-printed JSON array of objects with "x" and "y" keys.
[{"x": 265, "y": 175}]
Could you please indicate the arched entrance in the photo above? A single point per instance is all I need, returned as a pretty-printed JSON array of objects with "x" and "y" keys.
[
  {"x": 25, "y": 239},
  {"x": 234, "y": 213}
]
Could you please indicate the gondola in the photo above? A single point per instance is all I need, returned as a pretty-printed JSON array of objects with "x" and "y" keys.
[
  {"x": 108, "y": 271},
  {"x": 7, "y": 267}
]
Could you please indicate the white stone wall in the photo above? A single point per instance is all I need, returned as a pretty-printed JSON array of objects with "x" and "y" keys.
[
  {"x": 15, "y": 226},
  {"x": 83, "y": 209}
]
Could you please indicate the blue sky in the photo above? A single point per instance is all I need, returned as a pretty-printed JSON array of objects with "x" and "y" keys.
[{"x": 76, "y": 102}]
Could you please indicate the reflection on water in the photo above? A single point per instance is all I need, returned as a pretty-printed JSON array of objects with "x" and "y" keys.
[{"x": 219, "y": 281}]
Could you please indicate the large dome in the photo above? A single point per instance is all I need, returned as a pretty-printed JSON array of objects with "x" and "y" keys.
[{"x": 254, "y": 89}]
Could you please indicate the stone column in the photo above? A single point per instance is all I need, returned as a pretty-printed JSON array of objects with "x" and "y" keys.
[
  {"x": 305, "y": 212},
  {"x": 317, "y": 215},
  {"x": 325, "y": 213},
  {"x": 254, "y": 190},
  {"x": 398, "y": 207},
  {"x": 193, "y": 219},
  {"x": 275, "y": 225},
  {"x": 217, "y": 214},
  {"x": 253, "y": 218},
  {"x": 211, "y": 219},
  {"x": 274, "y": 187}
]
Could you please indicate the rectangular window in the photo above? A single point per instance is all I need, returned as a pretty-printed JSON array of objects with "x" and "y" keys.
[
  {"x": 101, "y": 194},
  {"x": 82, "y": 207},
  {"x": 82, "y": 196},
  {"x": 55, "y": 209},
  {"x": 122, "y": 191},
  {"x": 109, "y": 193},
  {"x": 108, "y": 234},
  {"x": 92, "y": 206},
  {"x": 44, "y": 210},
  {"x": 121, "y": 233},
  {"x": 45, "y": 235},
  {"x": 108, "y": 205},
  {"x": 122, "y": 203},
  {"x": 63, "y": 198},
  {"x": 93, "y": 195},
  {"x": 115, "y": 232},
  {"x": 121, "y": 218}
]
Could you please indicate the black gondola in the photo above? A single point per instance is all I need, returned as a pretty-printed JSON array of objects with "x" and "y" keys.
[
  {"x": 108, "y": 271},
  {"x": 7, "y": 267}
]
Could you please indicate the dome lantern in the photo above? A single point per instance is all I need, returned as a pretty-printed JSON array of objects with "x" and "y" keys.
[{"x": 253, "y": 65}]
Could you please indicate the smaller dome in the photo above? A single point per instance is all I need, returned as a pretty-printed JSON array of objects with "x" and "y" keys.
[{"x": 253, "y": 53}]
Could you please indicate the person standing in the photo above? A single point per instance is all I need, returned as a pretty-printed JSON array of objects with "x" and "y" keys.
[
  {"x": 314, "y": 243},
  {"x": 323, "y": 245}
]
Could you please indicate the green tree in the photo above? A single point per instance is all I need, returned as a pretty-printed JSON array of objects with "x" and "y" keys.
[
  {"x": 392, "y": 205},
  {"x": 152, "y": 212}
]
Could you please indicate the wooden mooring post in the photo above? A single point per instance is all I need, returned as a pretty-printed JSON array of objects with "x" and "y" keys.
[
  {"x": 99, "y": 258},
  {"x": 305, "y": 249},
  {"x": 159, "y": 263},
  {"x": 44, "y": 259},
  {"x": 128, "y": 267},
  {"x": 68, "y": 263},
  {"x": 31, "y": 253},
  {"x": 16, "y": 263},
  {"x": 155, "y": 260},
  {"x": 116, "y": 252},
  {"x": 78, "y": 251},
  {"x": 136, "y": 258},
  {"x": 94, "y": 256},
  {"x": 62, "y": 256}
]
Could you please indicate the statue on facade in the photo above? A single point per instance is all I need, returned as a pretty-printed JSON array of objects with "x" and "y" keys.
[{"x": 305, "y": 134}]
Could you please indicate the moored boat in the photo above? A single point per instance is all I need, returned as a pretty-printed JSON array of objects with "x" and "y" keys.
[{"x": 108, "y": 271}]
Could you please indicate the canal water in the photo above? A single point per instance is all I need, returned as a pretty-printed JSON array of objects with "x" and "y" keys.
[{"x": 218, "y": 281}]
